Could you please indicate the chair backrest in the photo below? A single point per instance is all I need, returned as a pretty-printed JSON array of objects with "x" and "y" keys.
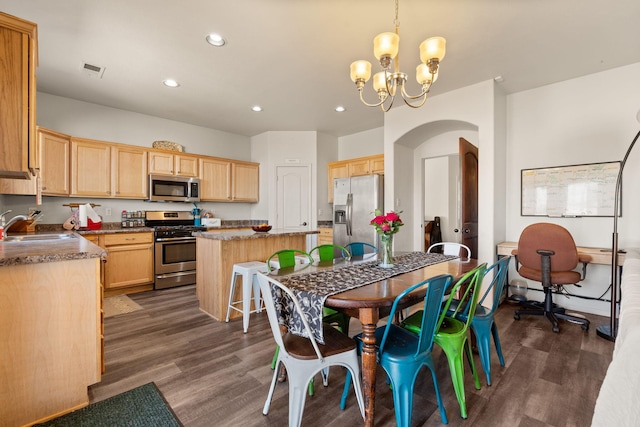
[
  {"x": 328, "y": 252},
  {"x": 452, "y": 248},
  {"x": 268, "y": 286},
  {"x": 550, "y": 237},
  {"x": 436, "y": 287},
  {"x": 500, "y": 271},
  {"x": 469, "y": 285},
  {"x": 361, "y": 248},
  {"x": 287, "y": 258}
]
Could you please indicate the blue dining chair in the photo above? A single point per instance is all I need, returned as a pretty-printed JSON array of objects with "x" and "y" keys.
[
  {"x": 483, "y": 323},
  {"x": 361, "y": 248},
  {"x": 402, "y": 354}
]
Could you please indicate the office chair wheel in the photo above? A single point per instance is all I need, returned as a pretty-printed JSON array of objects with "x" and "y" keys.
[
  {"x": 585, "y": 327},
  {"x": 556, "y": 329},
  {"x": 516, "y": 316}
]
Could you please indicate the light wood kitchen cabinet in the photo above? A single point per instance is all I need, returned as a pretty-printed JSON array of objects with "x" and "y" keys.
[
  {"x": 50, "y": 335},
  {"x": 90, "y": 168},
  {"x": 129, "y": 172},
  {"x": 129, "y": 263},
  {"x": 326, "y": 236},
  {"x": 354, "y": 167},
  {"x": 225, "y": 180},
  {"x": 18, "y": 60},
  {"x": 100, "y": 169},
  {"x": 54, "y": 162},
  {"x": 166, "y": 163},
  {"x": 245, "y": 182}
]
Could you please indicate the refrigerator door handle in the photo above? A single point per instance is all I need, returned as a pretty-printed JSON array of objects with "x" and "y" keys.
[{"x": 349, "y": 211}]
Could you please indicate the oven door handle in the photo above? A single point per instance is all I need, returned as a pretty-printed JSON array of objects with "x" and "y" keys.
[
  {"x": 170, "y": 275},
  {"x": 174, "y": 239}
]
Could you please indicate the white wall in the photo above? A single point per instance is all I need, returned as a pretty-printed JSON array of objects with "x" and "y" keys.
[
  {"x": 361, "y": 144},
  {"x": 585, "y": 120},
  {"x": 327, "y": 152}
]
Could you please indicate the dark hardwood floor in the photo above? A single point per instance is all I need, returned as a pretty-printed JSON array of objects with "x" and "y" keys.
[{"x": 214, "y": 375}]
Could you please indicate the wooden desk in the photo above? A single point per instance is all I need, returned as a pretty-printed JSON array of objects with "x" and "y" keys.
[
  {"x": 590, "y": 255},
  {"x": 371, "y": 302}
]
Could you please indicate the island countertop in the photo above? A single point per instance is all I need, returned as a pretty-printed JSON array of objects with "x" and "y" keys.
[
  {"x": 250, "y": 234},
  {"x": 40, "y": 251}
]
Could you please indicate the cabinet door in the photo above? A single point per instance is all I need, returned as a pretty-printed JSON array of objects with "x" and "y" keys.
[
  {"x": 54, "y": 162},
  {"x": 359, "y": 167},
  {"x": 245, "y": 181},
  {"x": 90, "y": 168},
  {"x": 130, "y": 260},
  {"x": 336, "y": 170},
  {"x": 186, "y": 165},
  {"x": 161, "y": 163},
  {"x": 376, "y": 164},
  {"x": 215, "y": 179},
  {"x": 17, "y": 97},
  {"x": 129, "y": 171}
]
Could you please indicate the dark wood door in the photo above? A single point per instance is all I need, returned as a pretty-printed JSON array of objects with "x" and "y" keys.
[{"x": 469, "y": 190}]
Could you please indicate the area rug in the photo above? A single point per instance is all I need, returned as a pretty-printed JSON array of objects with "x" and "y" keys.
[
  {"x": 141, "y": 407},
  {"x": 119, "y": 304}
]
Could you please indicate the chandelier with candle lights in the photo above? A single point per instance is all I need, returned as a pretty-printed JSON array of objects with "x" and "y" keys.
[{"x": 388, "y": 83}]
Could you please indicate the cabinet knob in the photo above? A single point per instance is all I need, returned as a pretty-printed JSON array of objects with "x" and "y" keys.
[{"x": 44, "y": 188}]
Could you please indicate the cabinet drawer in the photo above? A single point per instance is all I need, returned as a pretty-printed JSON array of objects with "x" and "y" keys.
[
  {"x": 127, "y": 238},
  {"x": 326, "y": 236}
]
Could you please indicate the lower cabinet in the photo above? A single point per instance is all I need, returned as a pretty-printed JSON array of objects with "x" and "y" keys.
[
  {"x": 326, "y": 236},
  {"x": 129, "y": 264}
]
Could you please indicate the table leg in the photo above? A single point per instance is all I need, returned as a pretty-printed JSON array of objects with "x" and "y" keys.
[{"x": 369, "y": 320}]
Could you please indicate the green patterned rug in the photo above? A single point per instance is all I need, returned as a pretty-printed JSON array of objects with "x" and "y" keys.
[{"x": 143, "y": 406}]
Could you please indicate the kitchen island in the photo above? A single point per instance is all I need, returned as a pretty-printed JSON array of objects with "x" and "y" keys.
[
  {"x": 50, "y": 325},
  {"x": 217, "y": 252}
]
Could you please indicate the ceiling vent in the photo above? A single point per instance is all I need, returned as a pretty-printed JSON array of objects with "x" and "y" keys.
[{"x": 92, "y": 70}]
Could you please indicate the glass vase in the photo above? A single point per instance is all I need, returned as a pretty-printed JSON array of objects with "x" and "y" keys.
[{"x": 386, "y": 250}]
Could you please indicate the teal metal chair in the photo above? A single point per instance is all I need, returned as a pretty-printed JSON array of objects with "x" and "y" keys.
[
  {"x": 402, "y": 354},
  {"x": 328, "y": 253},
  {"x": 361, "y": 248},
  {"x": 452, "y": 333},
  {"x": 483, "y": 323}
]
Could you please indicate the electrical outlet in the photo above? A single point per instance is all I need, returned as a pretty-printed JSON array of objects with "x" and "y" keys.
[{"x": 107, "y": 211}]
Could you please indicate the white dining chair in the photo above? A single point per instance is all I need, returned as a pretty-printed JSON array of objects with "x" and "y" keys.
[{"x": 452, "y": 248}]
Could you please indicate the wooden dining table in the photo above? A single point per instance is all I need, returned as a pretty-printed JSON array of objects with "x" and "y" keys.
[{"x": 371, "y": 302}]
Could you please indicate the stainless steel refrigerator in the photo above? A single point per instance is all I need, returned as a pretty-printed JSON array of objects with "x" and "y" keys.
[{"x": 354, "y": 202}]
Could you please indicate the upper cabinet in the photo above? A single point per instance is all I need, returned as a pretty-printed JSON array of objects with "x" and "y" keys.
[
  {"x": 90, "y": 168},
  {"x": 129, "y": 171},
  {"x": 18, "y": 59},
  {"x": 166, "y": 163},
  {"x": 224, "y": 180},
  {"x": 54, "y": 162},
  {"x": 354, "y": 167}
]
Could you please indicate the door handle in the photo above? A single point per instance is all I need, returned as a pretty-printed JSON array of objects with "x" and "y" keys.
[
  {"x": 455, "y": 230},
  {"x": 466, "y": 230}
]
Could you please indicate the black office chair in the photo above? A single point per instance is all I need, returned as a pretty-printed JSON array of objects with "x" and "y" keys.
[{"x": 547, "y": 253}]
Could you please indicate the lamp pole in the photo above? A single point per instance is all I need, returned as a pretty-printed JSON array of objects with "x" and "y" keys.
[{"x": 610, "y": 331}]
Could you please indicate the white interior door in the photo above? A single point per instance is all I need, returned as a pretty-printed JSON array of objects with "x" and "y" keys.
[{"x": 293, "y": 205}]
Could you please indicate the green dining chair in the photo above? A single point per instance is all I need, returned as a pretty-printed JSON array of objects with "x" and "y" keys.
[
  {"x": 483, "y": 324},
  {"x": 287, "y": 258},
  {"x": 452, "y": 334}
]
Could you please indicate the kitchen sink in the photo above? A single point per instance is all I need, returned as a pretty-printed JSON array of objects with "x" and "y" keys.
[{"x": 37, "y": 237}]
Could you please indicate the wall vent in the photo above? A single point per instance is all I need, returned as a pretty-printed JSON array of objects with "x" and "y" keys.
[{"x": 92, "y": 70}]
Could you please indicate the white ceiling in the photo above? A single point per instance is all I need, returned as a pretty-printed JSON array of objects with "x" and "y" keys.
[{"x": 292, "y": 56}]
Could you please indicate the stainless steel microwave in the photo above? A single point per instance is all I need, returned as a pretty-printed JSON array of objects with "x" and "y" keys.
[{"x": 167, "y": 188}]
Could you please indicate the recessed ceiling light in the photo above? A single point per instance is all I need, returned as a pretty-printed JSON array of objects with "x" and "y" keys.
[
  {"x": 216, "y": 40},
  {"x": 171, "y": 83},
  {"x": 498, "y": 79},
  {"x": 340, "y": 109},
  {"x": 256, "y": 108}
]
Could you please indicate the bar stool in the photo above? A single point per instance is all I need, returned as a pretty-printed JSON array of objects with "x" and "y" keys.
[{"x": 248, "y": 271}]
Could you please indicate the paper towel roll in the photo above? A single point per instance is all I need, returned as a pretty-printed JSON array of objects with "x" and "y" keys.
[{"x": 82, "y": 215}]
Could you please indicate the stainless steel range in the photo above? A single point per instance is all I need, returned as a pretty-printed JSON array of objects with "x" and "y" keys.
[{"x": 175, "y": 247}]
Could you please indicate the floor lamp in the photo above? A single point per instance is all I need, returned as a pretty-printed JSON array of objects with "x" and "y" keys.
[{"x": 610, "y": 331}]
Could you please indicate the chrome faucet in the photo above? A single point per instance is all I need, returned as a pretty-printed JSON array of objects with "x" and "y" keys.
[
  {"x": 12, "y": 221},
  {"x": 2, "y": 217}
]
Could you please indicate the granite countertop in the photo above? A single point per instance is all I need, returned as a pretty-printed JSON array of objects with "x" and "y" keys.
[
  {"x": 116, "y": 230},
  {"x": 39, "y": 251},
  {"x": 250, "y": 234}
]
